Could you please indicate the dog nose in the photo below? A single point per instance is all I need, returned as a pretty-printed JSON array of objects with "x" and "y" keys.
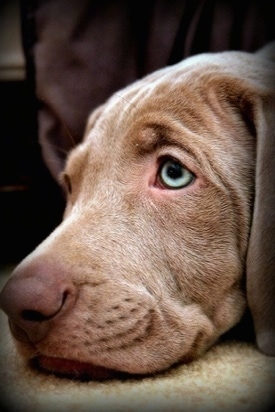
[{"x": 33, "y": 298}]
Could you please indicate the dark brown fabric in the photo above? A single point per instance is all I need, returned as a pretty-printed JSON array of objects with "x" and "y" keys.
[{"x": 80, "y": 52}]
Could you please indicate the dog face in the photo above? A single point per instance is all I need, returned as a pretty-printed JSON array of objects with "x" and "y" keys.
[{"x": 147, "y": 267}]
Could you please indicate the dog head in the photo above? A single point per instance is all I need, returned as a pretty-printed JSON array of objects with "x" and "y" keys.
[{"x": 169, "y": 214}]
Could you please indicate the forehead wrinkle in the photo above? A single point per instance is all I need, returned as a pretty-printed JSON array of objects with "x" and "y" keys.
[{"x": 155, "y": 136}]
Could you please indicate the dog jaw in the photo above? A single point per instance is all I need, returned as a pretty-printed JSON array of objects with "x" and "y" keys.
[{"x": 122, "y": 344}]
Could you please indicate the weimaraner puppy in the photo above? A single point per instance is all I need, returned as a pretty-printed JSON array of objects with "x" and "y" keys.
[{"x": 168, "y": 232}]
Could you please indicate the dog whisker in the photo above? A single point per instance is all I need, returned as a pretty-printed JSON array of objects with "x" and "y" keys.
[{"x": 130, "y": 104}]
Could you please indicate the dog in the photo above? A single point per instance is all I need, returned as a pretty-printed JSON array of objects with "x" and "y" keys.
[{"x": 168, "y": 231}]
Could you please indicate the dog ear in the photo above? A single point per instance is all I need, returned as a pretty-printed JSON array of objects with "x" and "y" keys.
[
  {"x": 261, "y": 249},
  {"x": 92, "y": 119},
  {"x": 53, "y": 129},
  {"x": 260, "y": 269}
]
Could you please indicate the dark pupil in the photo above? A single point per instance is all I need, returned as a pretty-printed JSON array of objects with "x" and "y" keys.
[{"x": 174, "y": 171}]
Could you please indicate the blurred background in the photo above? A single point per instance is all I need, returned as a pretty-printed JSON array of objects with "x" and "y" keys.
[{"x": 30, "y": 201}]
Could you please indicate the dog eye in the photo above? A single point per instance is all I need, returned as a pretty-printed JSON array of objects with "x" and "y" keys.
[
  {"x": 173, "y": 175},
  {"x": 68, "y": 183}
]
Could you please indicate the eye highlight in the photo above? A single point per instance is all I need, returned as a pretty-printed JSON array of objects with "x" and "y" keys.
[{"x": 173, "y": 175}]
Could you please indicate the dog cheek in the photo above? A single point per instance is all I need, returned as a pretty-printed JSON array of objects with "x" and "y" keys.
[{"x": 230, "y": 310}]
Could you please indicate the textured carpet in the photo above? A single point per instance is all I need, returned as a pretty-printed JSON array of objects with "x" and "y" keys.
[{"x": 232, "y": 376}]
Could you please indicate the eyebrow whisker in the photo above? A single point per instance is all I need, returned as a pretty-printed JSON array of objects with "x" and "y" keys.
[{"x": 130, "y": 104}]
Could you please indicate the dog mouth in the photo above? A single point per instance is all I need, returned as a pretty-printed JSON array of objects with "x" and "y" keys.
[{"x": 72, "y": 369}]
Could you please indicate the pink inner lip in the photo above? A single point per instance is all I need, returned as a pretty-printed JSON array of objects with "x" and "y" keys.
[{"x": 75, "y": 369}]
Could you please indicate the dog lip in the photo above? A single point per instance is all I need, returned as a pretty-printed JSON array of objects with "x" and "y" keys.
[{"x": 75, "y": 369}]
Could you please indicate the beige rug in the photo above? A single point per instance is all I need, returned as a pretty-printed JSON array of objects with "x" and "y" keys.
[{"x": 230, "y": 377}]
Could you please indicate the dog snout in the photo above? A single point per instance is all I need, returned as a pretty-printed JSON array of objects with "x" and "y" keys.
[{"x": 34, "y": 297}]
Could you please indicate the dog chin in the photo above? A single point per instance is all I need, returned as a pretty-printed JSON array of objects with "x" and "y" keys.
[{"x": 73, "y": 369}]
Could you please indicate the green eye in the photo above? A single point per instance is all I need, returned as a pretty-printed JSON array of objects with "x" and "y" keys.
[{"x": 173, "y": 175}]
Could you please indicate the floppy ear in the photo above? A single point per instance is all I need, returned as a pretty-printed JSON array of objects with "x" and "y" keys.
[
  {"x": 55, "y": 155},
  {"x": 261, "y": 248},
  {"x": 92, "y": 119}
]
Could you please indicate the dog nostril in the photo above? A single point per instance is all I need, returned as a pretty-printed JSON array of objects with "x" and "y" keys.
[
  {"x": 36, "y": 316},
  {"x": 33, "y": 316},
  {"x": 32, "y": 298}
]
